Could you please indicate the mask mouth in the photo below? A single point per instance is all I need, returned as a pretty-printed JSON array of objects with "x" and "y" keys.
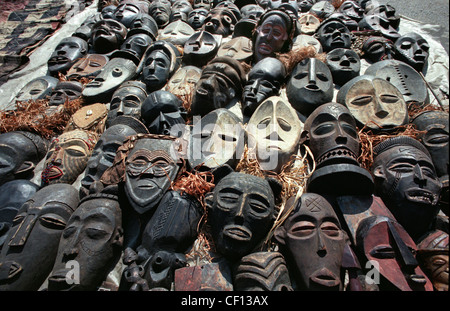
[
  {"x": 325, "y": 278},
  {"x": 312, "y": 87},
  {"x": 58, "y": 60},
  {"x": 340, "y": 152},
  {"x": 145, "y": 185},
  {"x": 237, "y": 232},
  {"x": 419, "y": 195},
  {"x": 417, "y": 279},
  {"x": 58, "y": 281}
]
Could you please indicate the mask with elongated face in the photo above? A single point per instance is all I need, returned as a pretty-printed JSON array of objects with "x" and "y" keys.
[
  {"x": 331, "y": 134},
  {"x": 310, "y": 85},
  {"x": 344, "y": 65},
  {"x": 104, "y": 151},
  {"x": 162, "y": 113},
  {"x": 67, "y": 157},
  {"x": 379, "y": 23},
  {"x": 184, "y": 80},
  {"x": 322, "y": 9},
  {"x": 384, "y": 241},
  {"x": 308, "y": 24},
  {"x": 200, "y": 48},
  {"x": 93, "y": 238},
  {"x": 20, "y": 152},
  {"x": 432, "y": 255},
  {"x": 134, "y": 47},
  {"x": 65, "y": 91},
  {"x": 151, "y": 167},
  {"x": 196, "y": 18},
  {"x": 314, "y": 242},
  {"x": 241, "y": 214},
  {"x": 274, "y": 130},
  {"x": 352, "y": 9},
  {"x": 31, "y": 246},
  {"x": 127, "y": 100},
  {"x": 38, "y": 88},
  {"x": 273, "y": 34},
  {"x": 66, "y": 53},
  {"x": 334, "y": 34},
  {"x": 107, "y": 35},
  {"x": 12, "y": 195},
  {"x": 160, "y": 11},
  {"x": 177, "y": 32},
  {"x": 161, "y": 61},
  {"x": 374, "y": 102},
  {"x": 262, "y": 271},
  {"x": 87, "y": 67},
  {"x": 239, "y": 48},
  {"x": 412, "y": 49},
  {"x": 144, "y": 23},
  {"x": 221, "y": 81},
  {"x": 406, "y": 180},
  {"x": 117, "y": 71},
  {"x": 386, "y": 11},
  {"x": 217, "y": 139},
  {"x": 128, "y": 10},
  {"x": 264, "y": 80},
  {"x": 405, "y": 78}
]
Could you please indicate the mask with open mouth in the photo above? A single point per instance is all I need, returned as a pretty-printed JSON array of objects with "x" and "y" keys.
[
  {"x": 312, "y": 240},
  {"x": 241, "y": 213},
  {"x": 406, "y": 181},
  {"x": 66, "y": 53}
]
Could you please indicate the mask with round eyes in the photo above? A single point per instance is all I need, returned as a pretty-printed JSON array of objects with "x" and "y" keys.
[
  {"x": 388, "y": 12},
  {"x": 31, "y": 245},
  {"x": 66, "y": 53},
  {"x": 20, "y": 151},
  {"x": 334, "y": 34},
  {"x": 217, "y": 139},
  {"x": 182, "y": 6},
  {"x": 65, "y": 91},
  {"x": 127, "y": 100},
  {"x": 374, "y": 102},
  {"x": 344, "y": 65},
  {"x": 264, "y": 80},
  {"x": 314, "y": 241},
  {"x": 177, "y": 32},
  {"x": 161, "y": 61},
  {"x": 352, "y": 9},
  {"x": 377, "y": 49},
  {"x": 220, "y": 21},
  {"x": 432, "y": 255},
  {"x": 262, "y": 271},
  {"x": 406, "y": 181},
  {"x": 150, "y": 170},
  {"x": 13, "y": 194},
  {"x": 253, "y": 11},
  {"x": 87, "y": 67},
  {"x": 93, "y": 237},
  {"x": 274, "y": 131},
  {"x": 379, "y": 23},
  {"x": 239, "y": 48},
  {"x": 105, "y": 150},
  {"x": 405, "y": 78},
  {"x": 38, "y": 88},
  {"x": 127, "y": 11},
  {"x": 322, "y": 9},
  {"x": 184, "y": 80},
  {"x": 384, "y": 241},
  {"x": 134, "y": 47},
  {"x": 240, "y": 213},
  {"x": 301, "y": 41},
  {"x": 162, "y": 113},
  {"x": 200, "y": 48},
  {"x": 308, "y": 24},
  {"x": 205, "y": 4},
  {"x": 196, "y": 18},
  {"x": 67, "y": 157},
  {"x": 412, "y": 49},
  {"x": 310, "y": 85},
  {"x": 107, "y": 35},
  {"x": 160, "y": 10},
  {"x": 272, "y": 35}
]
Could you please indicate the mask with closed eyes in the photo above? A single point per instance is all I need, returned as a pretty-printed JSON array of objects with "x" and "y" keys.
[
  {"x": 128, "y": 10},
  {"x": 107, "y": 35},
  {"x": 87, "y": 67},
  {"x": 183, "y": 81},
  {"x": 38, "y": 88},
  {"x": 134, "y": 47},
  {"x": 31, "y": 246},
  {"x": 374, "y": 102},
  {"x": 160, "y": 11},
  {"x": 301, "y": 41},
  {"x": 308, "y": 24},
  {"x": 177, "y": 32},
  {"x": 206, "y": 4},
  {"x": 196, "y": 18},
  {"x": 239, "y": 48},
  {"x": 310, "y": 85},
  {"x": 274, "y": 130}
]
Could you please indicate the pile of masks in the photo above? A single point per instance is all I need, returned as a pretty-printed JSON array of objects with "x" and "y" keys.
[{"x": 228, "y": 145}]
